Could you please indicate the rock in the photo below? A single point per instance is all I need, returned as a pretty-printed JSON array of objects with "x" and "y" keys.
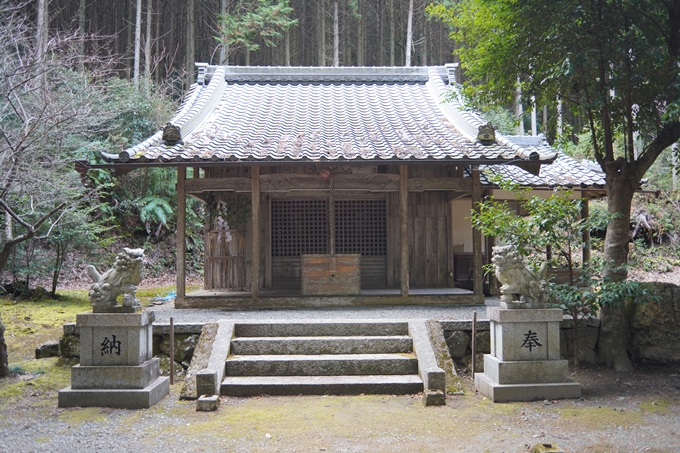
[
  {"x": 479, "y": 365},
  {"x": 483, "y": 342},
  {"x": 458, "y": 343},
  {"x": 164, "y": 365},
  {"x": 587, "y": 339},
  {"x": 4, "y": 365},
  {"x": 442, "y": 354},
  {"x": 69, "y": 346},
  {"x": 49, "y": 349},
  {"x": 653, "y": 326},
  {"x": 184, "y": 346}
]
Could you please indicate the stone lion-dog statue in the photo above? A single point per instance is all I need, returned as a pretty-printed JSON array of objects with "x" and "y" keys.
[
  {"x": 521, "y": 287},
  {"x": 123, "y": 279}
]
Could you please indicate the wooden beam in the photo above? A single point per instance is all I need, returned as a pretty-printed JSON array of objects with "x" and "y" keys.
[
  {"x": 403, "y": 213},
  {"x": 255, "y": 253},
  {"x": 181, "y": 235},
  {"x": 300, "y": 182},
  {"x": 477, "y": 272}
]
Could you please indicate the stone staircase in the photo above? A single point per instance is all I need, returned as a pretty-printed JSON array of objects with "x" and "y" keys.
[{"x": 324, "y": 357}]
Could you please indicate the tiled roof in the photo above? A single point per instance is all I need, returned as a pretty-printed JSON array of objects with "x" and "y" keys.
[
  {"x": 325, "y": 114},
  {"x": 563, "y": 172}
]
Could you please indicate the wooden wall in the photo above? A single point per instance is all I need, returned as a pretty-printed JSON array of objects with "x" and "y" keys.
[{"x": 430, "y": 257}]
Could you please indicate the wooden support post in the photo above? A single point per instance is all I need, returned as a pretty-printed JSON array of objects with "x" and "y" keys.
[
  {"x": 474, "y": 344},
  {"x": 255, "y": 250},
  {"x": 403, "y": 213},
  {"x": 477, "y": 272},
  {"x": 181, "y": 235},
  {"x": 585, "y": 213},
  {"x": 172, "y": 351}
]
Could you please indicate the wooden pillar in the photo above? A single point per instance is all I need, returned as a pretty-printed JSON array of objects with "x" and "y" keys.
[
  {"x": 585, "y": 213},
  {"x": 477, "y": 272},
  {"x": 403, "y": 213},
  {"x": 181, "y": 234},
  {"x": 255, "y": 251}
]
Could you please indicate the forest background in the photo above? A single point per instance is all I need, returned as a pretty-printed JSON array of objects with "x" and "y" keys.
[{"x": 92, "y": 75}]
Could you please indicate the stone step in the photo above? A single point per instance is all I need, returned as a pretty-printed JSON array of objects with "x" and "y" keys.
[
  {"x": 321, "y": 345},
  {"x": 322, "y": 385},
  {"x": 321, "y": 329},
  {"x": 321, "y": 365}
]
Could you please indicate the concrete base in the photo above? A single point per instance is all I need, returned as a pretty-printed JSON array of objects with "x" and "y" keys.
[
  {"x": 117, "y": 398},
  {"x": 526, "y": 392}
]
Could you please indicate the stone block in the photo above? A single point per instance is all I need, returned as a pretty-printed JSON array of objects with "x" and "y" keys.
[
  {"x": 525, "y": 372},
  {"x": 49, "y": 349},
  {"x": 500, "y": 393},
  {"x": 526, "y": 315},
  {"x": 434, "y": 398},
  {"x": 434, "y": 378},
  {"x": 458, "y": 342},
  {"x": 116, "y": 377},
  {"x": 164, "y": 366},
  {"x": 536, "y": 340},
  {"x": 108, "y": 339},
  {"x": 199, "y": 360},
  {"x": 69, "y": 346},
  {"x": 116, "y": 398},
  {"x": 206, "y": 382},
  {"x": 71, "y": 329},
  {"x": 208, "y": 403}
]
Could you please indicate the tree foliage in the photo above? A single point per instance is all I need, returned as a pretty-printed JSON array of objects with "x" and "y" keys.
[
  {"x": 249, "y": 20},
  {"x": 614, "y": 62}
]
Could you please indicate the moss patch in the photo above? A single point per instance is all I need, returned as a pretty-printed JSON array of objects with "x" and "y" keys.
[
  {"x": 598, "y": 417},
  {"x": 658, "y": 406}
]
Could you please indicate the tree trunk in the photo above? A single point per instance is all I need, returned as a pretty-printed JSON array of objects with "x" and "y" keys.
[
  {"x": 409, "y": 34},
  {"x": 381, "y": 31},
  {"x": 41, "y": 28},
  {"x": 336, "y": 35},
  {"x": 614, "y": 328},
  {"x": 138, "y": 42},
  {"x": 287, "y": 47},
  {"x": 361, "y": 37},
  {"x": 81, "y": 32},
  {"x": 322, "y": 33},
  {"x": 190, "y": 43},
  {"x": 147, "y": 47},
  {"x": 392, "y": 32},
  {"x": 223, "y": 48}
]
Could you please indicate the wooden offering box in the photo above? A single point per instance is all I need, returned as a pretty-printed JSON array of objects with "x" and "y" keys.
[{"x": 325, "y": 275}]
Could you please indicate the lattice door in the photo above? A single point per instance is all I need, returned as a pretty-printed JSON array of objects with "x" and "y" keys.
[
  {"x": 299, "y": 227},
  {"x": 360, "y": 227}
]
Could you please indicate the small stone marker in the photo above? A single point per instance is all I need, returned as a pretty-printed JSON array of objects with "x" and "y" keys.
[
  {"x": 208, "y": 403},
  {"x": 546, "y": 448},
  {"x": 434, "y": 398}
]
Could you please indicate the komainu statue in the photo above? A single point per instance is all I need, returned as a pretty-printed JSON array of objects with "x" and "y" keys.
[
  {"x": 522, "y": 287},
  {"x": 122, "y": 279}
]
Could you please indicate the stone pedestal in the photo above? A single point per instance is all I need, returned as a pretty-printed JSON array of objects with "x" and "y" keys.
[
  {"x": 525, "y": 363},
  {"x": 116, "y": 365}
]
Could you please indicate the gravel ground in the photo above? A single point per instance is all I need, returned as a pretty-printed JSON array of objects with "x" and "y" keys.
[
  {"x": 639, "y": 412},
  {"x": 164, "y": 311}
]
